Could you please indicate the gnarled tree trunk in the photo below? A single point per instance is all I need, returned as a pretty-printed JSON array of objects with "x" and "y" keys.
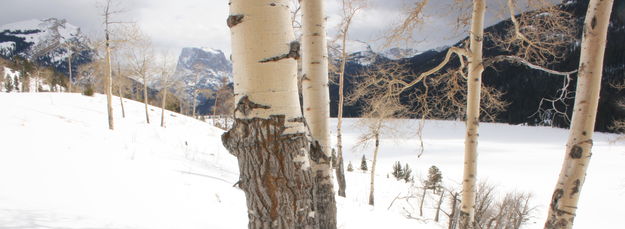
[
  {"x": 269, "y": 137},
  {"x": 474, "y": 83},
  {"x": 317, "y": 107},
  {"x": 577, "y": 155}
]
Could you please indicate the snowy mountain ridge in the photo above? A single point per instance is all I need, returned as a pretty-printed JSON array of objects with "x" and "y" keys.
[
  {"x": 43, "y": 41},
  {"x": 202, "y": 68}
]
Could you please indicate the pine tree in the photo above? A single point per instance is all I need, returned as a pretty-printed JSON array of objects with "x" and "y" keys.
[
  {"x": 8, "y": 84},
  {"x": 363, "y": 164},
  {"x": 350, "y": 167},
  {"x": 398, "y": 172},
  {"x": 407, "y": 173},
  {"x": 434, "y": 178}
]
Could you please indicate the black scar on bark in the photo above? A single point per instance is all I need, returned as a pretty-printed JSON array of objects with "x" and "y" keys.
[
  {"x": 576, "y": 152},
  {"x": 294, "y": 48},
  {"x": 557, "y": 194},
  {"x": 234, "y": 20},
  {"x": 298, "y": 119},
  {"x": 593, "y": 23},
  {"x": 575, "y": 188},
  {"x": 245, "y": 106}
]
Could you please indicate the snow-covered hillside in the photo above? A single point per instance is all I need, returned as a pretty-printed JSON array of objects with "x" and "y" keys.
[{"x": 60, "y": 167}]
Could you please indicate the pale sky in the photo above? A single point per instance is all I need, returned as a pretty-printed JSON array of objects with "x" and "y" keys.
[{"x": 201, "y": 23}]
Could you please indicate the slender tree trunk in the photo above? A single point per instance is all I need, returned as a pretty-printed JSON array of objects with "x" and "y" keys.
[
  {"x": 422, "y": 201},
  {"x": 269, "y": 137},
  {"x": 317, "y": 107},
  {"x": 119, "y": 88},
  {"x": 69, "y": 69},
  {"x": 375, "y": 159},
  {"x": 145, "y": 97},
  {"x": 108, "y": 82},
  {"x": 340, "y": 172},
  {"x": 453, "y": 216},
  {"x": 578, "y": 148},
  {"x": 197, "y": 79},
  {"x": 438, "y": 206},
  {"x": 474, "y": 83},
  {"x": 163, "y": 104}
]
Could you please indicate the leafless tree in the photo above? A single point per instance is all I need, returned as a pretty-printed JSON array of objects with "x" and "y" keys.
[
  {"x": 140, "y": 56},
  {"x": 349, "y": 10}
]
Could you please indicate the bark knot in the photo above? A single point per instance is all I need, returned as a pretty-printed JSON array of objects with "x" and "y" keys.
[
  {"x": 294, "y": 48},
  {"x": 245, "y": 106},
  {"x": 234, "y": 20}
]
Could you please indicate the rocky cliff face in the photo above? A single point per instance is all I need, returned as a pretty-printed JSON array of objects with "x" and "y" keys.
[{"x": 206, "y": 65}]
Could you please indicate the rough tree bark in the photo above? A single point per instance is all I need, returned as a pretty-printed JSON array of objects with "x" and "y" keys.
[
  {"x": 474, "y": 83},
  {"x": 316, "y": 103},
  {"x": 269, "y": 137},
  {"x": 578, "y": 148}
]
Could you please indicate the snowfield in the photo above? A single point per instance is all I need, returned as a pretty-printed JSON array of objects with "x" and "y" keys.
[{"x": 60, "y": 167}]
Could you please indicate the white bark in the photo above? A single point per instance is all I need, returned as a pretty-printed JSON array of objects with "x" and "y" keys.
[
  {"x": 197, "y": 81},
  {"x": 108, "y": 81},
  {"x": 474, "y": 82},
  {"x": 163, "y": 104},
  {"x": 578, "y": 148},
  {"x": 373, "y": 163},
  {"x": 317, "y": 106},
  {"x": 145, "y": 96}
]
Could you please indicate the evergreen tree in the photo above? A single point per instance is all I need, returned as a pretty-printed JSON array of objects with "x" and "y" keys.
[
  {"x": 363, "y": 164},
  {"x": 434, "y": 178},
  {"x": 8, "y": 84},
  {"x": 16, "y": 84},
  {"x": 398, "y": 172},
  {"x": 350, "y": 168},
  {"x": 407, "y": 173}
]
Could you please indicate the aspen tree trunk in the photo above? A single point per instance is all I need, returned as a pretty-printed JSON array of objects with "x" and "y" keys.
[
  {"x": 121, "y": 102},
  {"x": 340, "y": 171},
  {"x": 197, "y": 79},
  {"x": 69, "y": 64},
  {"x": 438, "y": 206},
  {"x": 474, "y": 83},
  {"x": 422, "y": 201},
  {"x": 375, "y": 157},
  {"x": 269, "y": 137},
  {"x": 108, "y": 81},
  {"x": 119, "y": 88},
  {"x": 317, "y": 107},
  {"x": 578, "y": 148},
  {"x": 164, "y": 102},
  {"x": 145, "y": 97}
]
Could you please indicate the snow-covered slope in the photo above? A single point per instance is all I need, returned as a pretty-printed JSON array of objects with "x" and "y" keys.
[{"x": 60, "y": 167}]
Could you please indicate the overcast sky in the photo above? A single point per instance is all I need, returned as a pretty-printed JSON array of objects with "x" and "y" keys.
[{"x": 201, "y": 23}]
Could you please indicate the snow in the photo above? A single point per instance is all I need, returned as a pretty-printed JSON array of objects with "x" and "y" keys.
[
  {"x": 7, "y": 47},
  {"x": 60, "y": 167},
  {"x": 211, "y": 50}
]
